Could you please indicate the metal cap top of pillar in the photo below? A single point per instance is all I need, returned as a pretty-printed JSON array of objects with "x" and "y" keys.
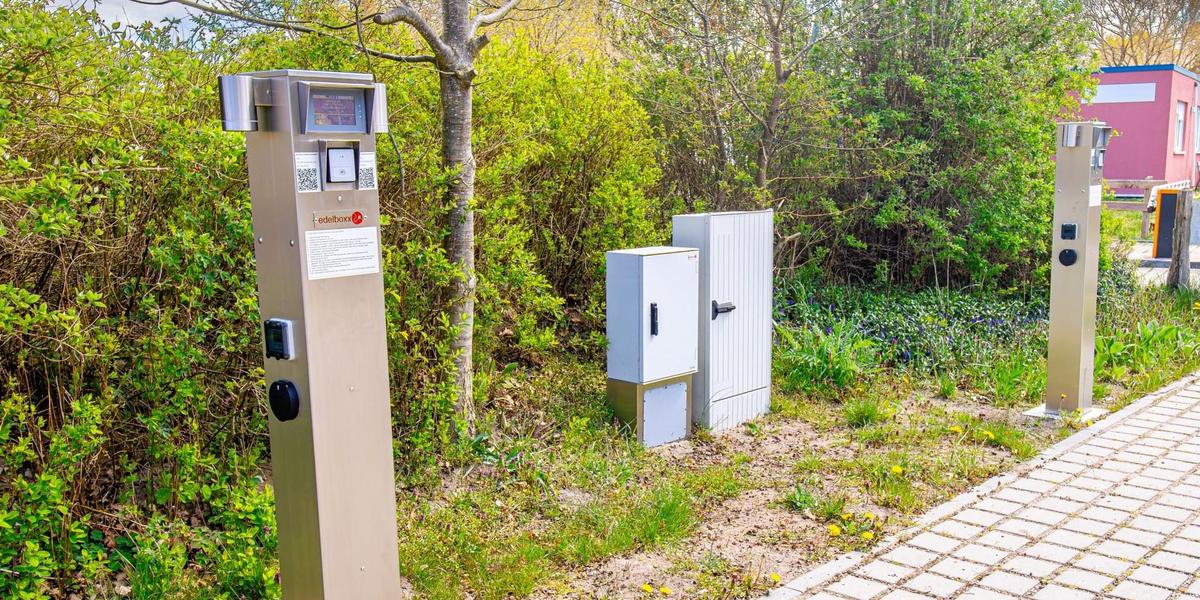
[
  {"x": 243, "y": 94},
  {"x": 1070, "y": 134},
  {"x": 365, "y": 77}
]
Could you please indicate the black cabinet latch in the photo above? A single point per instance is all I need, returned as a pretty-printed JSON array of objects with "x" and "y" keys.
[
  {"x": 721, "y": 308},
  {"x": 653, "y": 318}
]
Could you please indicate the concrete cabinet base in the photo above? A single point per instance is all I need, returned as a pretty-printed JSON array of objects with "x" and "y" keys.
[{"x": 658, "y": 412}]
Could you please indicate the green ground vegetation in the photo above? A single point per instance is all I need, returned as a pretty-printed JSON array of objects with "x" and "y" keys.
[{"x": 133, "y": 455}]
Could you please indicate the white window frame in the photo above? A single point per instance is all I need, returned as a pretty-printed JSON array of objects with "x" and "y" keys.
[
  {"x": 1180, "y": 126},
  {"x": 1196, "y": 129}
]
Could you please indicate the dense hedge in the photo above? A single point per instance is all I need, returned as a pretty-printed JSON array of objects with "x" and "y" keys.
[
  {"x": 912, "y": 140},
  {"x": 130, "y": 378}
]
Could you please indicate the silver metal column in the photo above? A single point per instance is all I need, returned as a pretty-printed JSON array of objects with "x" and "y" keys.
[
  {"x": 1076, "y": 258},
  {"x": 310, "y": 151}
]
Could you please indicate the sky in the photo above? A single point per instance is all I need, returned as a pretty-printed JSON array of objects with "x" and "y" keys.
[{"x": 129, "y": 12}]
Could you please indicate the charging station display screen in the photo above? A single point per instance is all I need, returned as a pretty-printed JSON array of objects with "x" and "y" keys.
[{"x": 336, "y": 110}]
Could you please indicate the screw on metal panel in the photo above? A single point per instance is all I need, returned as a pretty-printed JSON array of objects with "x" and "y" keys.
[
  {"x": 352, "y": 388},
  {"x": 291, "y": 242},
  {"x": 260, "y": 240},
  {"x": 339, "y": 199}
]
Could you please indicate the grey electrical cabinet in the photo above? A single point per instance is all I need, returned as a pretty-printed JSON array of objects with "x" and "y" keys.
[
  {"x": 651, "y": 295},
  {"x": 733, "y": 377}
]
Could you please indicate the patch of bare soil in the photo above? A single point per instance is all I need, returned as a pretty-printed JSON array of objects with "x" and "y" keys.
[{"x": 745, "y": 543}]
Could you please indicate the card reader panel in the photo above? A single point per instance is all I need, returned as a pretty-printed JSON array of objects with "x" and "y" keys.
[{"x": 340, "y": 165}]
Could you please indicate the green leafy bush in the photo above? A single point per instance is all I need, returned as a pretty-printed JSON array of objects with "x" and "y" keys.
[
  {"x": 130, "y": 368},
  {"x": 918, "y": 155}
]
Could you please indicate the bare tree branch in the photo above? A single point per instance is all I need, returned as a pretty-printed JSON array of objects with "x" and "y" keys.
[
  {"x": 485, "y": 19},
  {"x": 409, "y": 15},
  {"x": 1130, "y": 32},
  {"x": 295, "y": 27}
]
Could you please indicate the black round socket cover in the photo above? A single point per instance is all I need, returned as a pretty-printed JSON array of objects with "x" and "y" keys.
[
  {"x": 1068, "y": 257},
  {"x": 285, "y": 400}
]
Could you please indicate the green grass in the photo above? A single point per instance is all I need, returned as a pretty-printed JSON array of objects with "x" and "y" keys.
[
  {"x": 822, "y": 507},
  {"x": 512, "y": 534},
  {"x": 947, "y": 385},
  {"x": 888, "y": 478},
  {"x": 455, "y": 548},
  {"x": 810, "y": 462},
  {"x": 1016, "y": 379},
  {"x": 1123, "y": 226},
  {"x": 862, "y": 412}
]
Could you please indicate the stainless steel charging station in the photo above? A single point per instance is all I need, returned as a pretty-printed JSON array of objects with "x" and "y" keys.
[
  {"x": 310, "y": 151},
  {"x": 1079, "y": 168}
]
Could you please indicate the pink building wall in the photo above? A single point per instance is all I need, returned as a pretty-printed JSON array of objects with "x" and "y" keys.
[{"x": 1144, "y": 119}]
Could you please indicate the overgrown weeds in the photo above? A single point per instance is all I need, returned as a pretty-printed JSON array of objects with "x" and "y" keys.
[{"x": 812, "y": 359}]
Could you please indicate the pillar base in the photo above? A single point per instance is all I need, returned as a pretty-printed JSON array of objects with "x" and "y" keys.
[{"x": 1088, "y": 414}]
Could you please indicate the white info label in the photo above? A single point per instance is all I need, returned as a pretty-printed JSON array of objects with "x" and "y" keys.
[
  {"x": 1095, "y": 195},
  {"x": 342, "y": 252}
]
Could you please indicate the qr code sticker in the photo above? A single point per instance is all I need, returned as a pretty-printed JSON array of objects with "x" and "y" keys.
[
  {"x": 308, "y": 180},
  {"x": 366, "y": 178}
]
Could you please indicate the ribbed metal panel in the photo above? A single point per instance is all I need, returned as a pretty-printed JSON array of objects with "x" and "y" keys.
[
  {"x": 734, "y": 411},
  {"x": 734, "y": 374}
]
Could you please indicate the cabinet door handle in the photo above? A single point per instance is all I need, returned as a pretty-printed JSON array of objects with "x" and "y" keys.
[
  {"x": 653, "y": 318},
  {"x": 721, "y": 308}
]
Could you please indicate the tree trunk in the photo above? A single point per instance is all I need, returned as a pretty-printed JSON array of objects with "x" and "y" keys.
[
  {"x": 770, "y": 121},
  {"x": 458, "y": 158},
  {"x": 711, "y": 97}
]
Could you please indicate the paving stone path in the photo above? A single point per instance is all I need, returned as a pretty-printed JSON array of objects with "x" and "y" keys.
[{"x": 1111, "y": 512}]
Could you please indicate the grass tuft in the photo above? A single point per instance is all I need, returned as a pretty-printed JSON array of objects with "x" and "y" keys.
[{"x": 865, "y": 411}]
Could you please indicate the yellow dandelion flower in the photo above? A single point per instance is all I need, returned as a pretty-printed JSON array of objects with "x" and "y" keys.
[
  {"x": 868, "y": 535},
  {"x": 1196, "y": 306},
  {"x": 989, "y": 435},
  {"x": 897, "y": 470},
  {"x": 956, "y": 429},
  {"x": 835, "y": 531},
  {"x": 664, "y": 590},
  {"x": 775, "y": 578},
  {"x": 869, "y": 515},
  {"x": 649, "y": 589},
  {"x": 847, "y": 516}
]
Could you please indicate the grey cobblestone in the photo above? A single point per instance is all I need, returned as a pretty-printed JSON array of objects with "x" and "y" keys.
[{"x": 1111, "y": 512}]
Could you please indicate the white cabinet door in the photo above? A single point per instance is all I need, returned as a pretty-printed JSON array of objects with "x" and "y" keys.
[
  {"x": 739, "y": 341},
  {"x": 670, "y": 284}
]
